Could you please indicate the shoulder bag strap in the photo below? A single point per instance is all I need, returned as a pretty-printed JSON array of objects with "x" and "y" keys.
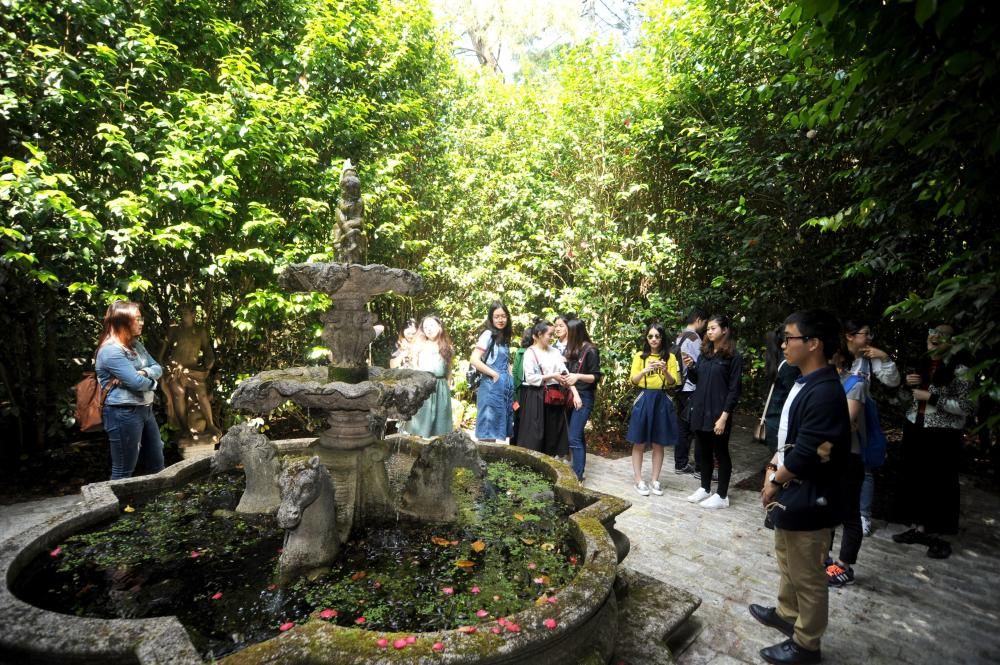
[{"x": 770, "y": 392}]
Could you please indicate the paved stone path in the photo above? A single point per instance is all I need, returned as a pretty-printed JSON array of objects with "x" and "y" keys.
[{"x": 904, "y": 609}]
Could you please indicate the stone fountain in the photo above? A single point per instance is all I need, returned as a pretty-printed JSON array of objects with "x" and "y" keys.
[{"x": 346, "y": 471}]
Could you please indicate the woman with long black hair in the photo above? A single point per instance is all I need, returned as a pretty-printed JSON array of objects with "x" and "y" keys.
[
  {"x": 583, "y": 360},
  {"x": 716, "y": 376},
  {"x": 653, "y": 419},
  {"x": 542, "y": 425},
  {"x": 491, "y": 357}
]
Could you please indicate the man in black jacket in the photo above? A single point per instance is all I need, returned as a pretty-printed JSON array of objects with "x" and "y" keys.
[{"x": 803, "y": 487}]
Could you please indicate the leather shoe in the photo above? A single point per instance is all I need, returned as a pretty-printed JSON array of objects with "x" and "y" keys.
[
  {"x": 769, "y": 617},
  {"x": 789, "y": 653},
  {"x": 911, "y": 537}
]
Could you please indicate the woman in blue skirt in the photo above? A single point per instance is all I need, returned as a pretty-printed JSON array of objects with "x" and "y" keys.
[
  {"x": 653, "y": 419},
  {"x": 491, "y": 357}
]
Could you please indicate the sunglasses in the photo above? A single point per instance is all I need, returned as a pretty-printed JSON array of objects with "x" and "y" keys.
[{"x": 652, "y": 336}]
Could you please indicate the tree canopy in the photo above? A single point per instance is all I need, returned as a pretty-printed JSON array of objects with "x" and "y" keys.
[{"x": 749, "y": 157}]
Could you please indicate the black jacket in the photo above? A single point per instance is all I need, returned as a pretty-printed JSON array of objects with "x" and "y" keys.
[
  {"x": 716, "y": 389},
  {"x": 818, "y": 415}
]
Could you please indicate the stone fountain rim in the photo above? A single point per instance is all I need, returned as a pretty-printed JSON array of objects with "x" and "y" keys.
[{"x": 55, "y": 637}]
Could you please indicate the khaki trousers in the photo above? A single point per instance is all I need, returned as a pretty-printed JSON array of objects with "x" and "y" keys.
[{"x": 803, "y": 592}]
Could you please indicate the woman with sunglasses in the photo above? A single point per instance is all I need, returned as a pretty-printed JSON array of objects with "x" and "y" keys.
[
  {"x": 653, "y": 420},
  {"x": 716, "y": 376}
]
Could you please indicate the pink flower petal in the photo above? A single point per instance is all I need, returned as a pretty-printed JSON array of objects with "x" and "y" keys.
[
  {"x": 376, "y": 584},
  {"x": 572, "y": 559},
  {"x": 382, "y": 643},
  {"x": 474, "y": 589},
  {"x": 551, "y": 600},
  {"x": 327, "y": 614},
  {"x": 360, "y": 621},
  {"x": 399, "y": 644},
  {"x": 411, "y": 639},
  {"x": 467, "y": 629},
  {"x": 532, "y": 565},
  {"x": 482, "y": 614},
  {"x": 448, "y": 590},
  {"x": 513, "y": 628},
  {"x": 195, "y": 555},
  {"x": 495, "y": 630},
  {"x": 502, "y": 621},
  {"x": 56, "y": 552},
  {"x": 550, "y": 623},
  {"x": 216, "y": 595},
  {"x": 272, "y": 587},
  {"x": 286, "y": 626},
  {"x": 438, "y": 646},
  {"x": 538, "y": 580}
]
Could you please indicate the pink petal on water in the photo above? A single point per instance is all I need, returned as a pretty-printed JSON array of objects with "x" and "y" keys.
[
  {"x": 360, "y": 621},
  {"x": 286, "y": 626},
  {"x": 382, "y": 643},
  {"x": 551, "y": 600},
  {"x": 216, "y": 595},
  {"x": 482, "y": 614},
  {"x": 550, "y": 623},
  {"x": 474, "y": 589},
  {"x": 438, "y": 646},
  {"x": 496, "y": 630},
  {"x": 513, "y": 628},
  {"x": 448, "y": 590},
  {"x": 467, "y": 629},
  {"x": 327, "y": 614},
  {"x": 411, "y": 639},
  {"x": 502, "y": 621},
  {"x": 195, "y": 555},
  {"x": 56, "y": 552},
  {"x": 532, "y": 565},
  {"x": 399, "y": 644}
]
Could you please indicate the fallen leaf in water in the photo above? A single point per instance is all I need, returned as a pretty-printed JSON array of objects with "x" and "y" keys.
[
  {"x": 129, "y": 509},
  {"x": 358, "y": 575},
  {"x": 438, "y": 540},
  {"x": 548, "y": 547},
  {"x": 528, "y": 541},
  {"x": 465, "y": 563},
  {"x": 478, "y": 546},
  {"x": 519, "y": 517}
]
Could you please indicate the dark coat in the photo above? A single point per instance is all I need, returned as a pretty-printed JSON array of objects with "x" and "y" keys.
[
  {"x": 716, "y": 389},
  {"x": 818, "y": 415}
]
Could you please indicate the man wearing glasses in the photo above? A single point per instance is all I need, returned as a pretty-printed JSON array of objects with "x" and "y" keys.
[{"x": 814, "y": 440}]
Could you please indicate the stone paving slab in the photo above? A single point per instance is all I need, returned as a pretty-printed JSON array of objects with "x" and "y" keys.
[{"x": 905, "y": 607}]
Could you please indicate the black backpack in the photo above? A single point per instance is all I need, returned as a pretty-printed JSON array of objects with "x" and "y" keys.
[{"x": 675, "y": 351}]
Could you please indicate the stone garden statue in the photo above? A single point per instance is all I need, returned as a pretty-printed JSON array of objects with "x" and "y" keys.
[
  {"x": 349, "y": 237},
  {"x": 189, "y": 359}
]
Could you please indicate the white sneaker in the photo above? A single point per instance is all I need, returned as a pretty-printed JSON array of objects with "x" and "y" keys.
[
  {"x": 715, "y": 501},
  {"x": 866, "y": 525},
  {"x": 655, "y": 488},
  {"x": 642, "y": 488},
  {"x": 699, "y": 495}
]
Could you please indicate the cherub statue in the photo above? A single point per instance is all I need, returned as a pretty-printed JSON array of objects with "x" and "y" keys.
[{"x": 350, "y": 237}]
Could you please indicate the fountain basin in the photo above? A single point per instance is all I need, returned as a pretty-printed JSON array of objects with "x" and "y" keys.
[{"x": 585, "y": 616}]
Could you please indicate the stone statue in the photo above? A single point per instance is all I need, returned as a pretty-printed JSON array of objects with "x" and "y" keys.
[
  {"x": 189, "y": 359},
  {"x": 349, "y": 239},
  {"x": 428, "y": 492},
  {"x": 308, "y": 515},
  {"x": 243, "y": 444}
]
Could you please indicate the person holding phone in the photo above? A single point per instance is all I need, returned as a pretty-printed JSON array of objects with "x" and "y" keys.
[{"x": 653, "y": 419}]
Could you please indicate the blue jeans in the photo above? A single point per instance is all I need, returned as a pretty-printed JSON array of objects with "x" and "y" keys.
[
  {"x": 577, "y": 422},
  {"x": 868, "y": 492},
  {"x": 133, "y": 434}
]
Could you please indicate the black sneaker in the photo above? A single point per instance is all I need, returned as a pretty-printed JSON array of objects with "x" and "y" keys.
[
  {"x": 910, "y": 537},
  {"x": 686, "y": 469},
  {"x": 838, "y": 576}
]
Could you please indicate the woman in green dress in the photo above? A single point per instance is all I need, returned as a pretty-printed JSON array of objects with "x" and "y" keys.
[{"x": 432, "y": 352}]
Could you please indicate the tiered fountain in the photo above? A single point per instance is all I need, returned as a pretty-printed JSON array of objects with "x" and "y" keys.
[{"x": 347, "y": 469}]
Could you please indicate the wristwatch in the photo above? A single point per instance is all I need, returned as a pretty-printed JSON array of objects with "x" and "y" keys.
[{"x": 772, "y": 480}]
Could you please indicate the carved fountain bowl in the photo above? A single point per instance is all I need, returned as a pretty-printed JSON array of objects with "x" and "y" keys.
[{"x": 580, "y": 628}]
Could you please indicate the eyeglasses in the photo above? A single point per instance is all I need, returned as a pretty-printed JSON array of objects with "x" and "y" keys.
[
  {"x": 785, "y": 338},
  {"x": 866, "y": 333},
  {"x": 934, "y": 332},
  {"x": 652, "y": 336}
]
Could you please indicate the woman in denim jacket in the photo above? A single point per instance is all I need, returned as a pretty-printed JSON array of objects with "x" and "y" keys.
[{"x": 124, "y": 363}]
